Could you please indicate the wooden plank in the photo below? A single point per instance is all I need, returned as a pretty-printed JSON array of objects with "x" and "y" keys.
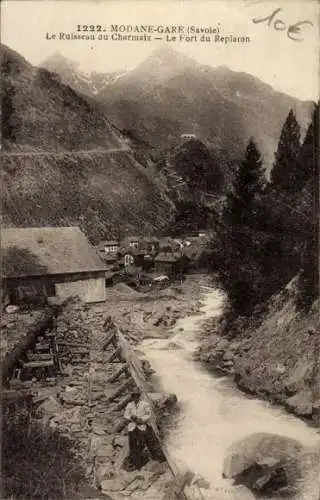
[
  {"x": 135, "y": 367},
  {"x": 120, "y": 390},
  {"x": 124, "y": 401},
  {"x": 50, "y": 335},
  {"x": 43, "y": 346},
  {"x": 110, "y": 339},
  {"x": 71, "y": 344},
  {"x": 9, "y": 395},
  {"x": 11, "y": 360},
  {"x": 38, "y": 364},
  {"x": 39, "y": 357},
  {"x": 114, "y": 355},
  {"x": 122, "y": 369}
]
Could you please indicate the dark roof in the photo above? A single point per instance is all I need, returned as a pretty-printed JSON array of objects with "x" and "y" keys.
[
  {"x": 107, "y": 257},
  {"x": 194, "y": 252},
  {"x": 168, "y": 257},
  {"x": 168, "y": 242},
  {"x": 40, "y": 251},
  {"x": 130, "y": 238},
  {"x": 109, "y": 243},
  {"x": 133, "y": 251},
  {"x": 151, "y": 239}
]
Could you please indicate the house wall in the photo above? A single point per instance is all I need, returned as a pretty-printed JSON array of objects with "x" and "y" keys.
[
  {"x": 128, "y": 260},
  {"x": 90, "y": 287},
  {"x": 133, "y": 244},
  {"x": 89, "y": 290},
  {"x": 111, "y": 249},
  {"x": 164, "y": 268}
]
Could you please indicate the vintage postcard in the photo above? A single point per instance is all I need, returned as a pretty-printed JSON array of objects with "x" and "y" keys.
[{"x": 160, "y": 333}]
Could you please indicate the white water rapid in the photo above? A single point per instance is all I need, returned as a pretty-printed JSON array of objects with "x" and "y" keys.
[{"x": 214, "y": 413}]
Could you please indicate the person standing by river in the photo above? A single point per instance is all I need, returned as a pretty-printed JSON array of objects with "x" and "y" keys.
[{"x": 138, "y": 414}]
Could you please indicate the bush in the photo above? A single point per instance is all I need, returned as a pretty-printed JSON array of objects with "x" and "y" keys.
[{"x": 38, "y": 462}]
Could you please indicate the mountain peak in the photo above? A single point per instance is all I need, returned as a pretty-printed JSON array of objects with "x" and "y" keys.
[
  {"x": 163, "y": 63},
  {"x": 57, "y": 61},
  {"x": 167, "y": 55}
]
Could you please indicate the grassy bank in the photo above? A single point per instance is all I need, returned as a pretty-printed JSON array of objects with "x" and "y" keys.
[{"x": 37, "y": 461}]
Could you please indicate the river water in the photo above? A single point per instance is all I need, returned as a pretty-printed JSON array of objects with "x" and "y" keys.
[{"x": 214, "y": 413}]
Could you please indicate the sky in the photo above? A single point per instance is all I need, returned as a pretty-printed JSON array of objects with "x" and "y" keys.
[{"x": 289, "y": 66}]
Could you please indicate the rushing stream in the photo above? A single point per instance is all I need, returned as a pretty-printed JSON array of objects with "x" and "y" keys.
[{"x": 214, "y": 413}]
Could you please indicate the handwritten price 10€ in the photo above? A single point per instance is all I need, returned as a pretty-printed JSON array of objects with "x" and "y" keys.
[{"x": 293, "y": 30}]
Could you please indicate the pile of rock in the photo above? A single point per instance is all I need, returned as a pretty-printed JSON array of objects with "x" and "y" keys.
[
  {"x": 90, "y": 400},
  {"x": 125, "y": 484}
]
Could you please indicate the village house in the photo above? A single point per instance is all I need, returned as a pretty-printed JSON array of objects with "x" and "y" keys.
[
  {"x": 138, "y": 258},
  {"x": 188, "y": 137},
  {"x": 54, "y": 261},
  {"x": 109, "y": 246},
  {"x": 128, "y": 259},
  {"x": 166, "y": 243},
  {"x": 171, "y": 264},
  {"x": 151, "y": 244},
  {"x": 109, "y": 251},
  {"x": 130, "y": 242}
]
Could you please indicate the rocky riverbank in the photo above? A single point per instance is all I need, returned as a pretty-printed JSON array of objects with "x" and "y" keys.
[
  {"x": 277, "y": 359},
  {"x": 152, "y": 314},
  {"x": 87, "y": 405},
  {"x": 84, "y": 405}
]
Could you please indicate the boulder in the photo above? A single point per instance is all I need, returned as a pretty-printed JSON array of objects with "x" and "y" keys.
[
  {"x": 10, "y": 309},
  {"x": 119, "y": 441},
  {"x": 112, "y": 485},
  {"x": 155, "y": 468},
  {"x": 102, "y": 447},
  {"x": 122, "y": 481},
  {"x": 103, "y": 473},
  {"x": 72, "y": 416},
  {"x": 98, "y": 430},
  {"x": 270, "y": 481},
  {"x": 296, "y": 382},
  {"x": 162, "y": 400},
  {"x": 264, "y": 462},
  {"x": 301, "y": 403},
  {"x": 221, "y": 346},
  {"x": 51, "y": 406},
  {"x": 72, "y": 396},
  {"x": 265, "y": 479},
  {"x": 227, "y": 364},
  {"x": 228, "y": 355}
]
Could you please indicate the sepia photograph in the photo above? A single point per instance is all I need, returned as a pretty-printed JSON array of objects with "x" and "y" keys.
[{"x": 160, "y": 334}]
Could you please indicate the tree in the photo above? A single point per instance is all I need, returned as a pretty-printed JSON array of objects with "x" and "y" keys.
[
  {"x": 190, "y": 216},
  {"x": 286, "y": 167},
  {"x": 247, "y": 188},
  {"x": 196, "y": 165},
  {"x": 308, "y": 156},
  {"x": 8, "y": 119},
  {"x": 236, "y": 252},
  {"x": 308, "y": 283}
]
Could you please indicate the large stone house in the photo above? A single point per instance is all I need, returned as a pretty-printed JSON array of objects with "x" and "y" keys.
[{"x": 53, "y": 261}]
